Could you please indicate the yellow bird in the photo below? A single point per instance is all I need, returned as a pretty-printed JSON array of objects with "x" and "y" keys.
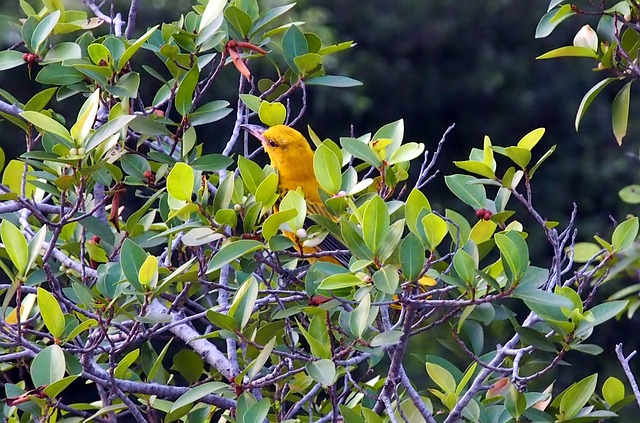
[{"x": 292, "y": 157}]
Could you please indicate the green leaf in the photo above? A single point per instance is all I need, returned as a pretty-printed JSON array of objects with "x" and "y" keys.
[
  {"x": 435, "y": 229},
  {"x": 10, "y": 59},
  {"x": 127, "y": 86},
  {"x": 46, "y": 124},
  {"x": 180, "y": 181},
  {"x": 359, "y": 316},
  {"x": 613, "y": 390},
  {"x": 416, "y": 202},
  {"x": 375, "y": 223},
  {"x": 473, "y": 195},
  {"x": 630, "y": 194},
  {"x": 210, "y": 112},
  {"x": 620, "y": 112},
  {"x": 334, "y": 81},
  {"x": 585, "y": 251},
  {"x": 194, "y": 394},
  {"x": 520, "y": 156},
  {"x": 48, "y": 366},
  {"x": 339, "y": 281},
  {"x": 269, "y": 16},
  {"x": 394, "y": 131},
  {"x": 625, "y": 234},
  {"x": 257, "y": 364},
  {"x": 294, "y": 44},
  {"x": 386, "y": 339},
  {"x": 133, "y": 48},
  {"x": 57, "y": 74},
  {"x": 243, "y": 302},
  {"x": 605, "y": 311},
  {"x": 361, "y": 150},
  {"x": 148, "y": 273},
  {"x": 272, "y": 223},
  {"x": 322, "y": 371},
  {"x": 442, "y": 377},
  {"x": 589, "y": 97},
  {"x": 307, "y": 62},
  {"x": 184, "y": 95},
  {"x": 16, "y": 246},
  {"x": 386, "y": 279},
  {"x": 326, "y": 167},
  {"x": 251, "y": 101},
  {"x": 542, "y": 298},
  {"x": 513, "y": 250},
  {"x": 51, "y": 313},
  {"x": 213, "y": 9},
  {"x": 232, "y": 251},
  {"x": 131, "y": 259},
  {"x": 576, "y": 396},
  {"x": 212, "y": 162},
  {"x": 411, "y": 257},
  {"x": 272, "y": 114},
  {"x": 295, "y": 200},
  {"x": 465, "y": 266},
  {"x": 43, "y": 29},
  {"x": 552, "y": 19},
  {"x": 40, "y": 100},
  {"x": 239, "y": 19},
  {"x": 479, "y": 168},
  {"x": 406, "y": 152},
  {"x": 107, "y": 130},
  {"x": 61, "y": 52},
  {"x": 531, "y": 139},
  {"x": 569, "y": 51}
]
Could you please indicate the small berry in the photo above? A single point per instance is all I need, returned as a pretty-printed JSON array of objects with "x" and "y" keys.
[
  {"x": 81, "y": 151},
  {"x": 237, "y": 207},
  {"x": 487, "y": 215},
  {"x": 73, "y": 151},
  {"x": 600, "y": 66},
  {"x": 25, "y": 57},
  {"x": 62, "y": 268},
  {"x": 368, "y": 279},
  {"x": 95, "y": 239},
  {"x": 627, "y": 17},
  {"x": 301, "y": 233},
  {"x": 480, "y": 213}
]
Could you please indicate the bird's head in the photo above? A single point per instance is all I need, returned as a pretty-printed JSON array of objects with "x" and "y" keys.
[{"x": 282, "y": 143}]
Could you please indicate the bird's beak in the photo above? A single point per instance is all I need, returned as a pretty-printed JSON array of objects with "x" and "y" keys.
[{"x": 255, "y": 130}]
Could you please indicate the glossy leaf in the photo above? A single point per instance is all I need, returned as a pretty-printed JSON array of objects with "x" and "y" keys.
[
  {"x": 46, "y": 124},
  {"x": 16, "y": 246},
  {"x": 620, "y": 112},
  {"x": 233, "y": 251},
  {"x": 194, "y": 394},
  {"x": 10, "y": 59},
  {"x": 51, "y": 313},
  {"x": 322, "y": 371},
  {"x": 334, "y": 81},
  {"x": 472, "y": 194},
  {"x": 48, "y": 366},
  {"x": 375, "y": 223},
  {"x": 180, "y": 181},
  {"x": 435, "y": 229},
  {"x": 184, "y": 95},
  {"x": 411, "y": 256},
  {"x": 326, "y": 167},
  {"x": 272, "y": 114},
  {"x": 625, "y": 234}
]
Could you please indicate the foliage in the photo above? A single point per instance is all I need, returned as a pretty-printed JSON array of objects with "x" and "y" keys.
[
  {"x": 194, "y": 304},
  {"x": 614, "y": 46}
]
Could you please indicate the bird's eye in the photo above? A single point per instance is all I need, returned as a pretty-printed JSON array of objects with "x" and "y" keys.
[{"x": 272, "y": 143}]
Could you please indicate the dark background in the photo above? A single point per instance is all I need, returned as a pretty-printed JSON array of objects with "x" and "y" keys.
[{"x": 440, "y": 62}]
